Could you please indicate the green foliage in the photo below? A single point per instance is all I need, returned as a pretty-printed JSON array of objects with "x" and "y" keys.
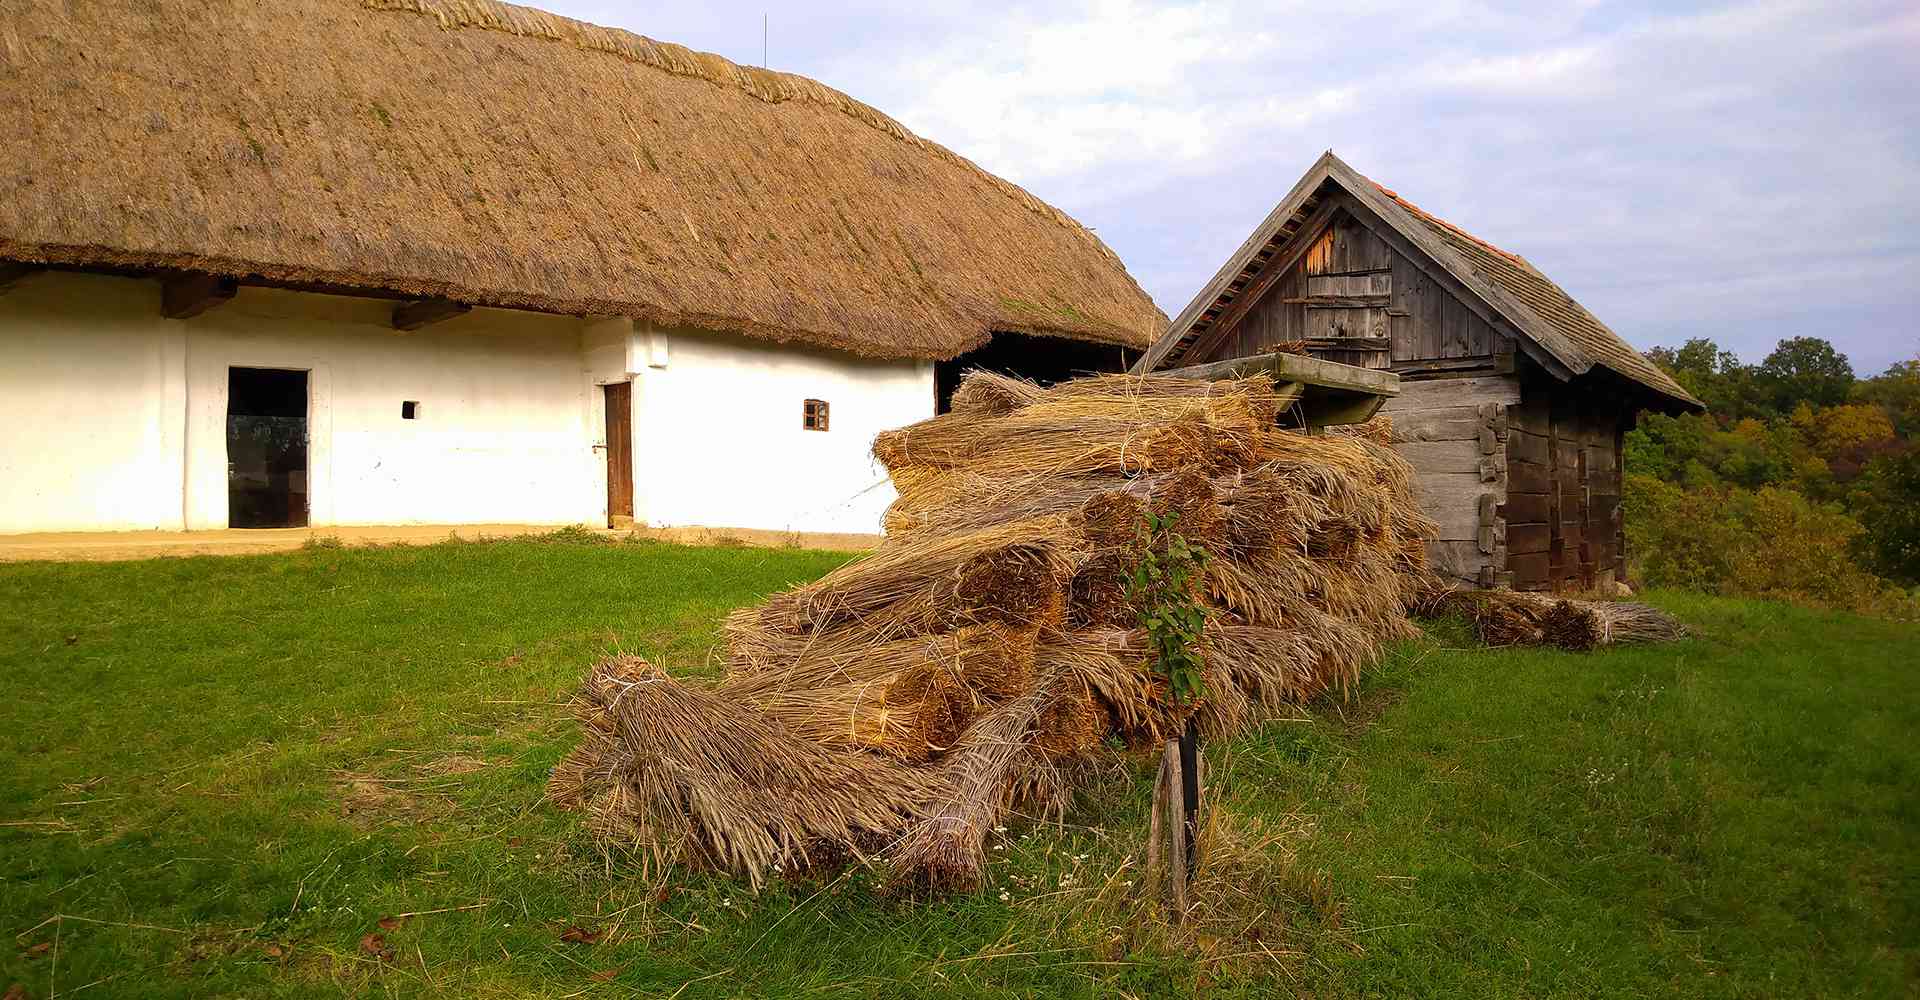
[
  {"x": 1805, "y": 370},
  {"x": 1890, "y": 508},
  {"x": 1715, "y": 376},
  {"x": 1164, "y": 589},
  {"x": 1769, "y": 542},
  {"x": 1897, "y": 393},
  {"x": 1794, "y": 440}
]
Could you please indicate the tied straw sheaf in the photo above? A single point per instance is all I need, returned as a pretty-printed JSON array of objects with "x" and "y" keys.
[
  {"x": 972, "y": 668},
  {"x": 1518, "y": 618}
]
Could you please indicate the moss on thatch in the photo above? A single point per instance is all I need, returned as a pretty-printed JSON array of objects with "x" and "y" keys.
[{"x": 503, "y": 156}]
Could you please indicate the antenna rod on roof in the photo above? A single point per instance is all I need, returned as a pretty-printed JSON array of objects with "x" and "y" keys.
[{"x": 763, "y": 39}]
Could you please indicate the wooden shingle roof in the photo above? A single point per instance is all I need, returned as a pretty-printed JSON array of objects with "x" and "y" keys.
[{"x": 1563, "y": 335}]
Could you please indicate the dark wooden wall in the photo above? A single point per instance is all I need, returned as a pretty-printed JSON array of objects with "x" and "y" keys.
[
  {"x": 1562, "y": 512},
  {"x": 1520, "y": 470},
  {"x": 1356, "y": 300}
]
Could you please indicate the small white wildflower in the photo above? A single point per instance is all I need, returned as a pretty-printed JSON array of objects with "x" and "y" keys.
[{"x": 726, "y": 902}]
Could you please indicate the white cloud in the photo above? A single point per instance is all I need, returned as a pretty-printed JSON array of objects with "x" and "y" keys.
[{"x": 1683, "y": 173}]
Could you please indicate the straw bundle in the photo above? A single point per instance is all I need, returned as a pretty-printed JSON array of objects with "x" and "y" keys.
[
  {"x": 1518, "y": 618},
  {"x": 983, "y": 655},
  {"x": 692, "y": 775}
]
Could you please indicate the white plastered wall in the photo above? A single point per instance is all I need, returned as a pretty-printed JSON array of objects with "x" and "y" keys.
[
  {"x": 114, "y": 418},
  {"x": 718, "y": 439}
]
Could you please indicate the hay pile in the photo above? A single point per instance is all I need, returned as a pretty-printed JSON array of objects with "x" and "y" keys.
[
  {"x": 972, "y": 667},
  {"x": 1516, "y": 618}
]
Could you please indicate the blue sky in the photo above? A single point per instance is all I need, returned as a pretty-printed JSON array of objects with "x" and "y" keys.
[{"x": 1744, "y": 172}]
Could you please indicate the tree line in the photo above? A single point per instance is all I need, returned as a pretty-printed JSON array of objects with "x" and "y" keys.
[{"x": 1802, "y": 480}]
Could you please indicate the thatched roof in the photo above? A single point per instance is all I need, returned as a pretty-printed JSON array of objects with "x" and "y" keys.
[
  {"x": 1556, "y": 330},
  {"x": 503, "y": 156}
]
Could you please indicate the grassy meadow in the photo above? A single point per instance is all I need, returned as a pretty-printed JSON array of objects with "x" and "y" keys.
[{"x": 318, "y": 773}]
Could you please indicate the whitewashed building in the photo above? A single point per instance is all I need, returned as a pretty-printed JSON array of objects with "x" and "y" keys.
[{"x": 423, "y": 262}]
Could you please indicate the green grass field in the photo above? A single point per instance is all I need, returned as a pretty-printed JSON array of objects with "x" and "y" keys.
[{"x": 222, "y": 774}]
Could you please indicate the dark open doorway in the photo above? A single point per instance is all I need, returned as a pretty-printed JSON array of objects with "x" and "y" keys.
[
  {"x": 1045, "y": 360},
  {"x": 266, "y": 448}
]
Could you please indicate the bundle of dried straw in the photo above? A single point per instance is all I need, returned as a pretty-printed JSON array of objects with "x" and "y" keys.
[
  {"x": 907, "y": 704},
  {"x": 1520, "y": 618}
]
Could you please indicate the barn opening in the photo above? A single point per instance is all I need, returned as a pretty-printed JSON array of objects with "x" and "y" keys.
[
  {"x": 266, "y": 448},
  {"x": 1045, "y": 360}
]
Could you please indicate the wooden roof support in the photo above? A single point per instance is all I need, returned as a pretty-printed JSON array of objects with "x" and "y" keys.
[
  {"x": 184, "y": 296},
  {"x": 426, "y": 312},
  {"x": 1330, "y": 393},
  {"x": 13, "y": 272},
  {"x": 1303, "y": 238}
]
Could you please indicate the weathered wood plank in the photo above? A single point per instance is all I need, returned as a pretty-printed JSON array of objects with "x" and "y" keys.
[
  {"x": 426, "y": 312},
  {"x": 1530, "y": 570},
  {"x": 1459, "y": 365},
  {"x": 1526, "y": 507},
  {"x": 184, "y": 296},
  {"x": 1458, "y": 559},
  {"x": 1524, "y": 538},
  {"x": 1348, "y": 344},
  {"x": 1441, "y": 456},
  {"x": 1316, "y": 301},
  {"x": 1427, "y": 394},
  {"x": 1526, "y": 446},
  {"x": 1297, "y": 368},
  {"x": 1441, "y": 423},
  {"x": 1528, "y": 477}
]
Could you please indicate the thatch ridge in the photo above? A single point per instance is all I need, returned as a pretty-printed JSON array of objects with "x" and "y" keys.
[
  {"x": 504, "y": 156},
  {"x": 767, "y": 85}
]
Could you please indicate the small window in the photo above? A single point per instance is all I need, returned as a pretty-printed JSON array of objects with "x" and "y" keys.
[
  {"x": 409, "y": 409},
  {"x": 813, "y": 416}
]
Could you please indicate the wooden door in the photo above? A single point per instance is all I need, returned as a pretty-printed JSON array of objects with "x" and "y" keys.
[{"x": 619, "y": 453}]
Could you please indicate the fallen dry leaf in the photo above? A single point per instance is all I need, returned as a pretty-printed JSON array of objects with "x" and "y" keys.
[
  {"x": 607, "y": 975},
  {"x": 376, "y": 945},
  {"x": 580, "y": 935},
  {"x": 15, "y": 992},
  {"x": 39, "y": 949},
  {"x": 389, "y": 923},
  {"x": 273, "y": 950}
]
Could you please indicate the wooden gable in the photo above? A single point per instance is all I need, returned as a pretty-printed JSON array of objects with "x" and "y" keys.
[{"x": 1347, "y": 294}]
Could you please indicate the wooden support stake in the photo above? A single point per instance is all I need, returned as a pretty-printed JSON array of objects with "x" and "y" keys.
[
  {"x": 1154, "y": 831},
  {"x": 414, "y": 315},
  {"x": 1177, "y": 828},
  {"x": 185, "y": 296}
]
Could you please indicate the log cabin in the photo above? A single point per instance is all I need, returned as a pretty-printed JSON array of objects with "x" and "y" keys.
[
  {"x": 378, "y": 262},
  {"x": 1514, "y": 398}
]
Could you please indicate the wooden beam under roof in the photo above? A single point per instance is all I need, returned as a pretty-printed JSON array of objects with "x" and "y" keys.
[
  {"x": 14, "y": 272},
  {"x": 426, "y": 312},
  {"x": 184, "y": 296},
  {"x": 1330, "y": 393}
]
